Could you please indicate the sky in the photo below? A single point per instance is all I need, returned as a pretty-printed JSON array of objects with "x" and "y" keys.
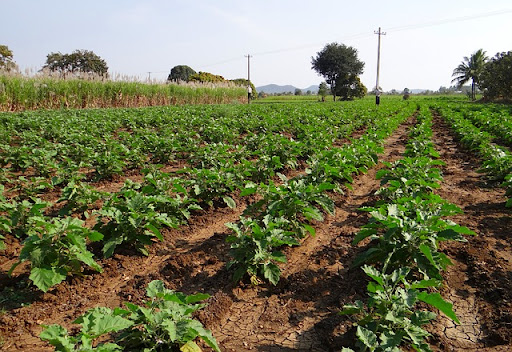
[{"x": 424, "y": 41}]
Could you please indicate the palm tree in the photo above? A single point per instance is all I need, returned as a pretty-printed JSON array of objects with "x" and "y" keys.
[{"x": 470, "y": 69}]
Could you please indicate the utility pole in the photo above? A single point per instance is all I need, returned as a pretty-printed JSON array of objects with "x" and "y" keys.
[
  {"x": 149, "y": 77},
  {"x": 377, "y": 88},
  {"x": 249, "y": 89}
]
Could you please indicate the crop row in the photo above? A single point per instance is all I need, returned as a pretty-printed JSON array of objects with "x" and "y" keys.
[
  {"x": 404, "y": 230},
  {"x": 493, "y": 119},
  {"x": 135, "y": 214},
  {"x": 111, "y": 142},
  {"x": 497, "y": 159},
  {"x": 214, "y": 167},
  {"x": 283, "y": 215},
  {"x": 56, "y": 242}
]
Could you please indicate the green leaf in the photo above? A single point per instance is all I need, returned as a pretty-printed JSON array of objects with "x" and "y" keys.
[
  {"x": 435, "y": 300},
  {"x": 366, "y": 256},
  {"x": 427, "y": 252},
  {"x": 101, "y": 320},
  {"x": 391, "y": 340},
  {"x": 381, "y": 173},
  {"x": 309, "y": 229},
  {"x": 279, "y": 256},
  {"x": 110, "y": 245},
  {"x": 95, "y": 236},
  {"x": 108, "y": 347},
  {"x": 367, "y": 337},
  {"x": 325, "y": 186},
  {"x": 207, "y": 336},
  {"x": 425, "y": 284},
  {"x": 271, "y": 272},
  {"x": 57, "y": 336},
  {"x": 422, "y": 317},
  {"x": 87, "y": 258},
  {"x": 196, "y": 298},
  {"x": 355, "y": 308},
  {"x": 170, "y": 327},
  {"x": 155, "y": 231},
  {"x": 463, "y": 230},
  {"x": 229, "y": 202},
  {"x": 373, "y": 287},
  {"x": 362, "y": 234},
  {"x": 240, "y": 272},
  {"x": 374, "y": 274},
  {"x": 44, "y": 278},
  {"x": 313, "y": 213},
  {"x": 156, "y": 288},
  {"x": 248, "y": 191}
]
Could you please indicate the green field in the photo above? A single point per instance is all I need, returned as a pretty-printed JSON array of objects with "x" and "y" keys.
[{"x": 83, "y": 191}]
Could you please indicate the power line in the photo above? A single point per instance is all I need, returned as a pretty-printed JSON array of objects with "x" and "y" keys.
[
  {"x": 448, "y": 20},
  {"x": 364, "y": 35}
]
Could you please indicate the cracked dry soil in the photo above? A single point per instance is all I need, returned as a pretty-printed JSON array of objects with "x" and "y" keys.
[{"x": 300, "y": 313}]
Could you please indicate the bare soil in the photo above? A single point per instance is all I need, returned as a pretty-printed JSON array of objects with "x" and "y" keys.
[{"x": 300, "y": 313}]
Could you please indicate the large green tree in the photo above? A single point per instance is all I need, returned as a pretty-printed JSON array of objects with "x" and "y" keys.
[
  {"x": 350, "y": 87},
  {"x": 79, "y": 61},
  {"x": 181, "y": 73},
  {"x": 6, "y": 56},
  {"x": 340, "y": 67},
  {"x": 496, "y": 78},
  {"x": 470, "y": 69}
]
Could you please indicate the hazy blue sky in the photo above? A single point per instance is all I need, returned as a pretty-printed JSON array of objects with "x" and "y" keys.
[{"x": 425, "y": 40}]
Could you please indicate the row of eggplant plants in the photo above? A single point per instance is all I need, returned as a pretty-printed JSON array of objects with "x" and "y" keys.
[
  {"x": 110, "y": 142},
  {"x": 56, "y": 243},
  {"x": 214, "y": 168},
  {"x": 403, "y": 260},
  {"x": 285, "y": 211},
  {"x": 496, "y": 159}
]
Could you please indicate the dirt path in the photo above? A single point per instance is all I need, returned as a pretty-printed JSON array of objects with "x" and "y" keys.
[{"x": 480, "y": 282}]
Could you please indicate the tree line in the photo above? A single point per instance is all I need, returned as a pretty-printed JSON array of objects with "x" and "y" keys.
[
  {"x": 337, "y": 63},
  {"x": 493, "y": 76}
]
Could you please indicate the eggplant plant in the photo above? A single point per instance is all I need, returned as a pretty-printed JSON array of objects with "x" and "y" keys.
[
  {"x": 391, "y": 319},
  {"x": 255, "y": 248},
  {"x": 56, "y": 248}
]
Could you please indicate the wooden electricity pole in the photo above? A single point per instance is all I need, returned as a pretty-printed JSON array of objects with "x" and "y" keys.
[
  {"x": 377, "y": 88},
  {"x": 249, "y": 89}
]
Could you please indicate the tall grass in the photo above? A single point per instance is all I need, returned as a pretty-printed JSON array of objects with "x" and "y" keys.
[{"x": 18, "y": 93}]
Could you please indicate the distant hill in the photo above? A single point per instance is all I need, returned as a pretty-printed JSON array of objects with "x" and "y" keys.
[{"x": 277, "y": 89}]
